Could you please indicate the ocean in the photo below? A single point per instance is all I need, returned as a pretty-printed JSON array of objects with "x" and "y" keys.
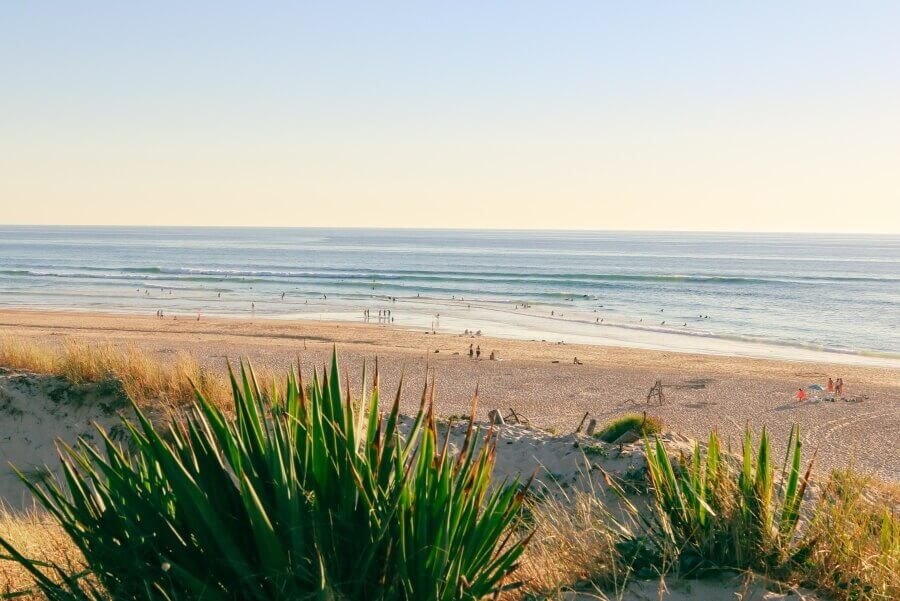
[{"x": 792, "y": 296}]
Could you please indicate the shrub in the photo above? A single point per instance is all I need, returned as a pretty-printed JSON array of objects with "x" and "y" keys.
[
  {"x": 637, "y": 422},
  {"x": 301, "y": 495}
]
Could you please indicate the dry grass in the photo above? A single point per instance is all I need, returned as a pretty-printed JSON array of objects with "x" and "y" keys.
[
  {"x": 38, "y": 536},
  {"x": 574, "y": 543},
  {"x": 855, "y": 536},
  {"x": 16, "y": 353},
  {"x": 143, "y": 377}
]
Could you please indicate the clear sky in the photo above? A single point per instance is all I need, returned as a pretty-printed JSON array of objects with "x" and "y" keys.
[{"x": 775, "y": 116}]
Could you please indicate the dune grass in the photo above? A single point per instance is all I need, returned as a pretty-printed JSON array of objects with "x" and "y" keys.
[
  {"x": 577, "y": 540},
  {"x": 710, "y": 515},
  {"x": 713, "y": 512},
  {"x": 640, "y": 423},
  {"x": 855, "y": 539},
  {"x": 143, "y": 378},
  {"x": 40, "y": 537}
]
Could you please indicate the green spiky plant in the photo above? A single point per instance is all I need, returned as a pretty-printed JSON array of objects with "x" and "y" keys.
[
  {"x": 301, "y": 495},
  {"x": 711, "y": 515}
]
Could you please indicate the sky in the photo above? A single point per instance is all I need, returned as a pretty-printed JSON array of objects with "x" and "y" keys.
[{"x": 771, "y": 116}]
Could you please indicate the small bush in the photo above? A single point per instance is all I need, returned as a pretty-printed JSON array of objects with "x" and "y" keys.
[{"x": 639, "y": 423}]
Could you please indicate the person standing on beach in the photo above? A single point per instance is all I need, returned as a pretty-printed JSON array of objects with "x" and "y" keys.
[
  {"x": 830, "y": 386},
  {"x": 478, "y": 352},
  {"x": 801, "y": 395},
  {"x": 471, "y": 351}
]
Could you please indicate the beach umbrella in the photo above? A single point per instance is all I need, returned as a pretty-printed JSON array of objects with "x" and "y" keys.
[{"x": 814, "y": 387}]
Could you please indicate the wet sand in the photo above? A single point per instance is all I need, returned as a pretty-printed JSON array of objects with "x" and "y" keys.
[{"x": 536, "y": 378}]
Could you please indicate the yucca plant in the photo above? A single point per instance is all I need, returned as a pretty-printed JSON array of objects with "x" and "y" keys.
[
  {"x": 301, "y": 495},
  {"x": 711, "y": 515}
]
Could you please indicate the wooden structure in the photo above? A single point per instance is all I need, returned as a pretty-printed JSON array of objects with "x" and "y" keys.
[{"x": 656, "y": 395}]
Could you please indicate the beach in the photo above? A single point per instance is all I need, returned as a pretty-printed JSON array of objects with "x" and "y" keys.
[
  {"x": 538, "y": 379},
  {"x": 823, "y": 299}
]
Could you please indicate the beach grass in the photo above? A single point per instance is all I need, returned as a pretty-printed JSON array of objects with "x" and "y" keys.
[
  {"x": 39, "y": 536},
  {"x": 639, "y": 423},
  {"x": 577, "y": 540},
  {"x": 855, "y": 539},
  {"x": 142, "y": 377},
  {"x": 710, "y": 514}
]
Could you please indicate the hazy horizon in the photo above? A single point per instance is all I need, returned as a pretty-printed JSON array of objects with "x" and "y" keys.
[
  {"x": 574, "y": 116},
  {"x": 436, "y": 229}
]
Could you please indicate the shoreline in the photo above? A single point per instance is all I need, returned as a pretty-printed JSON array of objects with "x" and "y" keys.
[
  {"x": 532, "y": 327},
  {"x": 340, "y": 332}
]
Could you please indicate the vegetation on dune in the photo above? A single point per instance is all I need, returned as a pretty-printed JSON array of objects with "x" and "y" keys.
[
  {"x": 710, "y": 514},
  {"x": 143, "y": 378},
  {"x": 300, "y": 491},
  {"x": 854, "y": 536},
  {"x": 640, "y": 423},
  {"x": 298, "y": 496}
]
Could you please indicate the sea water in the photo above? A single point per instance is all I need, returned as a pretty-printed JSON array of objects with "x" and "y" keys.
[{"x": 800, "y": 296}]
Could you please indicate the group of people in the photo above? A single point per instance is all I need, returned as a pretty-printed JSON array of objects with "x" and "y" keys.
[
  {"x": 834, "y": 387},
  {"x": 384, "y": 315},
  {"x": 475, "y": 353}
]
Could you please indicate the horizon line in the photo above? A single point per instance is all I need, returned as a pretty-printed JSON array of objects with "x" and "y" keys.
[{"x": 460, "y": 229}]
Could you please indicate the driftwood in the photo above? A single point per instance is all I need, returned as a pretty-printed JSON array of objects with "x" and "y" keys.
[
  {"x": 581, "y": 423},
  {"x": 656, "y": 394},
  {"x": 518, "y": 417},
  {"x": 496, "y": 417}
]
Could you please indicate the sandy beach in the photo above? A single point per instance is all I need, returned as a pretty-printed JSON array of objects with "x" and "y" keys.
[{"x": 538, "y": 379}]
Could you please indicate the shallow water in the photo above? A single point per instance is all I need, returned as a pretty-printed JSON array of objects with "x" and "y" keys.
[{"x": 835, "y": 297}]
